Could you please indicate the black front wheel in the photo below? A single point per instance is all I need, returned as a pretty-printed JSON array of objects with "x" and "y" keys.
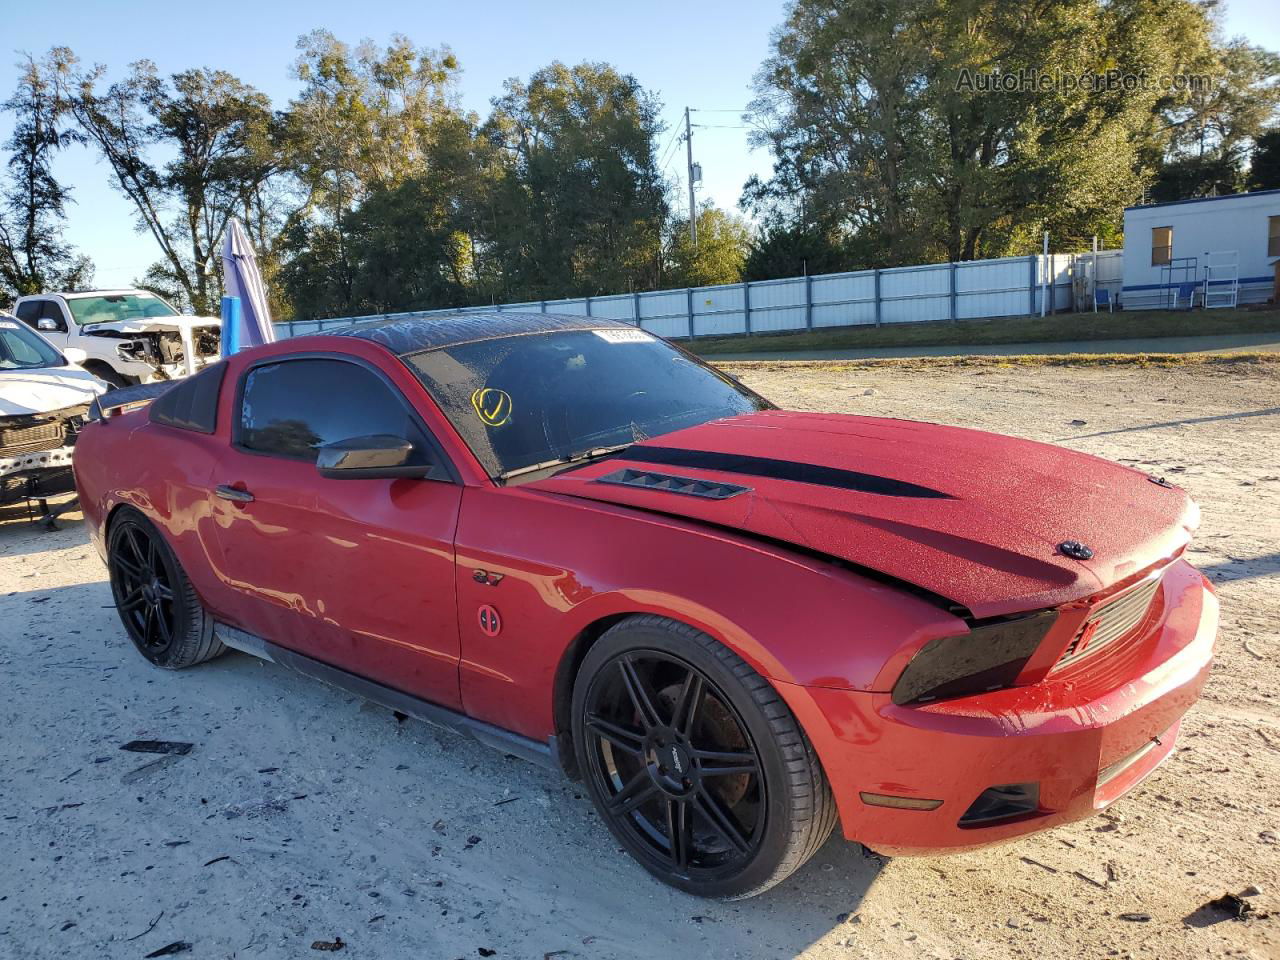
[
  {"x": 157, "y": 604},
  {"x": 695, "y": 763}
]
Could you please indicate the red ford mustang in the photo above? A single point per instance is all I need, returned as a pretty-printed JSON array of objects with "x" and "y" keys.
[{"x": 736, "y": 624}]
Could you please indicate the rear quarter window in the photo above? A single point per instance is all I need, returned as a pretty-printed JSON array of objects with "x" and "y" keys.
[{"x": 191, "y": 404}]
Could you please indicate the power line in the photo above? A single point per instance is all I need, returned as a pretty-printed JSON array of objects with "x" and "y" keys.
[
  {"x": 670, "y": 153},
  {"x": 675, "y": 138}
]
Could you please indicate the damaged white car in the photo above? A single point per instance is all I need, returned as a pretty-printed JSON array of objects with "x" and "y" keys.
[
  {"x": 44, "y": 397},
  {"x": 128, "y": 336}
]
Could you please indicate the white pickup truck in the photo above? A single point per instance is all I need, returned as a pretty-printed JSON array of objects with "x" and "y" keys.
[
  {"x": 45, "y": 397},
  {"x": 128, "y": 336}
]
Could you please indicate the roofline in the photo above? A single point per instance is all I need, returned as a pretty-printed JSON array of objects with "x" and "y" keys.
[
  {"x": 1225, "y": 196},
  {"x": 405, "y": 336},
  {"x": 74, "y": 294}
]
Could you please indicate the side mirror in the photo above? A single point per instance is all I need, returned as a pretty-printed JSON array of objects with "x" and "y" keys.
[
  {"x": 370, "y": 457},
  {"x": 75, "y": 355},
  {"x": 44, "y": 323}
]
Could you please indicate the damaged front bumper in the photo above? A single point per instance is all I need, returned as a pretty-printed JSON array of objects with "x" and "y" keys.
[
  {"x": 36, "y": 475},
  {"x": 965, "y": 773},
  {"x": 35, "y": 454},
  {"x": 152, "y": 355}
]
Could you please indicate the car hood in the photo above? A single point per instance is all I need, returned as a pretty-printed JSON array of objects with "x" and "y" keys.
[
  {"x": 972, "y": 517},
  {"x": 152, "y": 325},
  {"x": 26, "y": 392}
]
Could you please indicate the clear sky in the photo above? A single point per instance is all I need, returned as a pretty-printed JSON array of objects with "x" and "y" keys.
[{"x": 703, "y": 55}]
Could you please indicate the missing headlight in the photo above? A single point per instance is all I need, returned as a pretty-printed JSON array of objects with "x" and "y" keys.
[{"x": 989, "y": 657}]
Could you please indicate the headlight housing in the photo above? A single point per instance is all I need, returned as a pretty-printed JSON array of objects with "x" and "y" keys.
[{"x": 989, "y": 657}]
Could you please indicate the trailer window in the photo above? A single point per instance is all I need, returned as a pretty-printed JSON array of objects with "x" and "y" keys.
[
  {"x": 1273, "y": 236},
  {"x": 1161, "y": 246}
]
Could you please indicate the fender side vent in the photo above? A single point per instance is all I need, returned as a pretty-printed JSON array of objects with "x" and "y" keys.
[{"x": 689, "y": 486}]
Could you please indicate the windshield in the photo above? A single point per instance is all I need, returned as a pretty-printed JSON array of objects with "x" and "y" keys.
[
  {"x": 528, "y": 400},
  {"x": 118, "y": 306},
  {"x": 20, "y": 349}
]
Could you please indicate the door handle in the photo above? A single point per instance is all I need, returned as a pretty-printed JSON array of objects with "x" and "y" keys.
[{"x": 234, "y": 494}]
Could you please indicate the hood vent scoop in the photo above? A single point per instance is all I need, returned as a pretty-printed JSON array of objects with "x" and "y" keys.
[{"x": 689, "y": 486}]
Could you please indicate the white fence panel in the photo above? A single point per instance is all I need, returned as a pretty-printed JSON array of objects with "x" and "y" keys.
[
  {"x": 777, "y": 305},
  {"x": 915, "y": 294},
  {"x": 576, "y": 306},
  {"x": 843, "y": 299},
  {"x": 718, "y": 310},
  {"x": 1009, "y": 286},
  {"x": 992, "y": 288},
  {"x": 615, "y": 307},
  {"x": 665, "y": 312}
]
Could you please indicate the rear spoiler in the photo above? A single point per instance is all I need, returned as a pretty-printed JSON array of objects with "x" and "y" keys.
[{"x": 124, "y": 399}]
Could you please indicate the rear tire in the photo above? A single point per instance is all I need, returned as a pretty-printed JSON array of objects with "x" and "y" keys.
[
  {"x": 157, "y": 603},
  {"x": 694, "y": 761}
]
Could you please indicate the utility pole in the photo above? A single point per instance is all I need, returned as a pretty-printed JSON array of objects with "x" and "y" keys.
[{"x": 688, "y": 146}]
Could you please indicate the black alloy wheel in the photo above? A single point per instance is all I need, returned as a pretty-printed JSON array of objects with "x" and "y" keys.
[
  {"x": 155, "y": 600},
  {"x": 687, "y": 770},
  {"x": 680, "y": 770},
  {"x": 142, "y": 583}
]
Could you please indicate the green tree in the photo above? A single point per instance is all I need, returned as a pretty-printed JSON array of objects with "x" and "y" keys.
[
  {"x": 838, "y": 105},
  {"x": 33, "y": 255},
  {"x": 411, "y": 244},
  {"x": 366, "y": 121},
  {"x": 578, "y": 204},
  {"x": 189, "y": 152},
  {"x": 905, "y": 130},
  {"x": 1264, "y": 167},
  {"x": 1213, "y": 126},
  {"x": 718, "y": 256},
  {"x": 785, "y": 249}
]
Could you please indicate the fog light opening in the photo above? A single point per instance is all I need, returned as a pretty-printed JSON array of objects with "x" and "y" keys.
[
  {"x": 1002, "y": 803},
  {"x": 900, "y": 803}
]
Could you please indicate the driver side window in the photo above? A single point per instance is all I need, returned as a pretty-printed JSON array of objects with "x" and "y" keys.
[
  {"x": 292, "y": 408},
  {"x": 29, "y": 311},
  {"x": 43, "y": 315}
]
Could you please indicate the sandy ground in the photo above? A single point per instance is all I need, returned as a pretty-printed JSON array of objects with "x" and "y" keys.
[{"x": 304, "y": 814}]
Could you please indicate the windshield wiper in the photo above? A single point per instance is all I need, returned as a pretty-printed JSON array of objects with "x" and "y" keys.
[{"x": 594, "y": 453}]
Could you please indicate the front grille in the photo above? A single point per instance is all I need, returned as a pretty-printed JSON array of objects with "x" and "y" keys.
[
  {"x": 46, "y": 431},
  {"x": 1113, "y": 621},
  {"x": 31, "y": 438}
]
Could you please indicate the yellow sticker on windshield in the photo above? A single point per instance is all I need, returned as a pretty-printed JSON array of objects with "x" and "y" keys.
[{"x": 492, "y": 406}]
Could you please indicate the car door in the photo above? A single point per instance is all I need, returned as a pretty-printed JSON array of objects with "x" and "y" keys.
[{"x": 357, "y": 573}]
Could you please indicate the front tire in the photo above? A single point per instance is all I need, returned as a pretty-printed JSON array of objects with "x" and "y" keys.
[
  {"x": 694, "y": 762},
  {"x": 156, "y": 602}
]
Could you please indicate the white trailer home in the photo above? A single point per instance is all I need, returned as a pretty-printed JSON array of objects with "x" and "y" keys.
[{"x": 1211, "y": 251}]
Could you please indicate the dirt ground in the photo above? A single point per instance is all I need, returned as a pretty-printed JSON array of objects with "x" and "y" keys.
[{"x": 304, "y": 814}]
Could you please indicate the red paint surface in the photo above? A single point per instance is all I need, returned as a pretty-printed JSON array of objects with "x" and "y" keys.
[
  {"x": 992, "y": 547},
  {"x": 377, "y": 577}
]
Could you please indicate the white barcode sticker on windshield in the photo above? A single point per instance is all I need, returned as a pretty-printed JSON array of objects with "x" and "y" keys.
[
  {"x": 624, "y": 336},
  {"x": 8, "y": 325}
]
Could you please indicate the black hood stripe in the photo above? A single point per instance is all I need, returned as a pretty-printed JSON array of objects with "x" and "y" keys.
[{"x": 781, "y": 470}]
